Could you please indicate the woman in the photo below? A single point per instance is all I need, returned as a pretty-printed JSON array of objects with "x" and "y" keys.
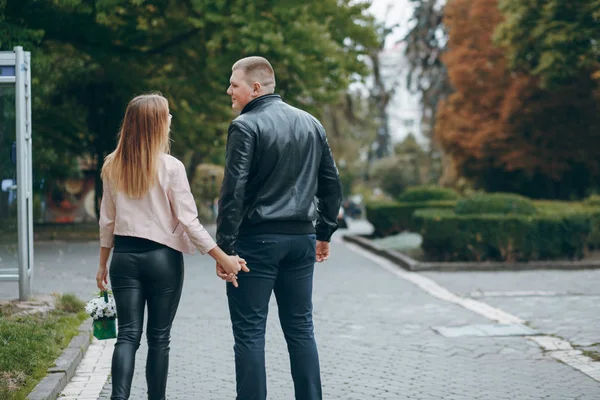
[{"x": 148, "y": 215}]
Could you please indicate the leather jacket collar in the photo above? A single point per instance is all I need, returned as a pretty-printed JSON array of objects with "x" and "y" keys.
[{"x": 267, "y": 98}]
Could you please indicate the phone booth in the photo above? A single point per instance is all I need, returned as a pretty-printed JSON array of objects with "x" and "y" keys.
[{"x": 16, "y": 197}]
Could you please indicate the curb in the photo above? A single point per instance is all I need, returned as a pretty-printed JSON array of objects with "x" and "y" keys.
[
  {"x": 65, "y": 365},
  {"x": 410, "y": 264}
]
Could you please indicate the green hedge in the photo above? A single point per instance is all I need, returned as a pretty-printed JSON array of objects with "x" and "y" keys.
[
  {"x": 428, "y": 193},
  {"x": 495, "y": 203},
  {"x": 593, "y": 201},
  {"x": 494, "y": 237},
  {"x": 594, "y": 239},
  {"x": 570, "y": 207},
  {"x": 390, "y": 218}
]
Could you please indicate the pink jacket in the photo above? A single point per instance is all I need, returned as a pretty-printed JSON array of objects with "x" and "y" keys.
[{"x": 167, "y": 214}]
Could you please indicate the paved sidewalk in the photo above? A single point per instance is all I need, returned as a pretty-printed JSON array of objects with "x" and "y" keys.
[
  {"x": 561, "y": 303},
  {"x": 375, "y": 341},
  {"x": 374, "y": 331},
  {"x": 91, "y": 373}
]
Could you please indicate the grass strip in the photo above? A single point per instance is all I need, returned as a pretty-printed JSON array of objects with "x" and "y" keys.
[{"x": 30, "y": 344}]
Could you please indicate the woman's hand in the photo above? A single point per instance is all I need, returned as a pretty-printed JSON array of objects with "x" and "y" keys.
[
  {"x": 102, "y": 277},
  {"x": 233, "y": 264}
]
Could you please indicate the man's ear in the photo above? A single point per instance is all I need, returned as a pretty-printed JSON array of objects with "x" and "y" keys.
[{"x": 256, "y": 88}]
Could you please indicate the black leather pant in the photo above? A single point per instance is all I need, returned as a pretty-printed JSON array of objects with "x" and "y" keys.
[{"x": 156, "y": 278}]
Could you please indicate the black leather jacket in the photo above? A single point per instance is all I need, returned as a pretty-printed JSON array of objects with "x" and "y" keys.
[{"x": 279, "y": 175}]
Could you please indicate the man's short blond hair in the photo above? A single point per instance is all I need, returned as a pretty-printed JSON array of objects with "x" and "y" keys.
[{"x": 257, "y": 69}]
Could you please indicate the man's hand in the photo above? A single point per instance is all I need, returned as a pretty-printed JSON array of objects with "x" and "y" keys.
[
  {"x": 231, "y": 277},
  {"x": 322, "y": 251}
]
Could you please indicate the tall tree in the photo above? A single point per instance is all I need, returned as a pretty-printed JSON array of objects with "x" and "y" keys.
[
  {"x": 425, "y": 44},
  {"x": 92, "y": 56},
  {"x": 553, "y": 39},
  {"x": 503, "y": 130}
]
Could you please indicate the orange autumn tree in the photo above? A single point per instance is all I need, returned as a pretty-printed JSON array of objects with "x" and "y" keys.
[{"x": 503, "y": 131}]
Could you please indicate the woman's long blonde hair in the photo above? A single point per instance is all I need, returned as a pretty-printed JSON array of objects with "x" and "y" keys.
[{"x": 133, "y": 167}]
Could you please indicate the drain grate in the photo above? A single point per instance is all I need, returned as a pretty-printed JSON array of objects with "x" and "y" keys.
[{"x": 485, "y": 330}]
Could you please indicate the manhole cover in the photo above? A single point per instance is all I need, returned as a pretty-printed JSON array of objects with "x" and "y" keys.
[{"x": 485, "y": 330}]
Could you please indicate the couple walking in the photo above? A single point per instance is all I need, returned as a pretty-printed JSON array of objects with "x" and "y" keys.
[{"x": 279, "y": 179}]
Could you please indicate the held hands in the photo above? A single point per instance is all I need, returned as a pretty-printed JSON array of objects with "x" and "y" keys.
[
  {"x": 102, "y": 278},
  {"x": 228, "y": 268},
  {"x": 322, "y": 251}
]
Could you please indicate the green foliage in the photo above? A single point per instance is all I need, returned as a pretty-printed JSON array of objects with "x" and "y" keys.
[
  {"x": 424, "y": 166},
  {"x": 206, "y": 186},
  {"x": 91, "y": 58},
  {"x": 593, "y": 201},
  {"x": 69, "y": 303},
  {"x": 389, "y": 218},
  {"x": 428, "y": 193},
  {"x": 553, "y": 39},
  {"x": 485, "y": 237},
  {"x": 495, "y": 203},
  {"x": 394, "y": 174},
  {"x": 350, "y": 123},
  {"x": 594, "y": 239},
  {"x": 591, "y": 206},
  {"x": 28, "y": 347}
]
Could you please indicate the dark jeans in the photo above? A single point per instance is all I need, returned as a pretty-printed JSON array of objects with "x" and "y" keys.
[
  {"x": 283, "y": 264},
  {"x": 156, "y": 278}
]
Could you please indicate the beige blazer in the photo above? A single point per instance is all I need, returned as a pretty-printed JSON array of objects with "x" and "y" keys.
[{"x": 167, "y": 214}]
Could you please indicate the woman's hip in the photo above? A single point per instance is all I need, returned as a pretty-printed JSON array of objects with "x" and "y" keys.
[{"x": 164, "y": 264}]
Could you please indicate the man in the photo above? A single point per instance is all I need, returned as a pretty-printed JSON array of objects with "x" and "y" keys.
[{"x": 278, "y": 161}]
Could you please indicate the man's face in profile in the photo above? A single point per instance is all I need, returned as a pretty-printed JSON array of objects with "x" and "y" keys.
[{"x": 240, "y": 91}]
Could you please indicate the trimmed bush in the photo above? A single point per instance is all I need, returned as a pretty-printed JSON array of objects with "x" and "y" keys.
[
  {"x": 571, "y": 207},
  {"x": 393, "y": 175},
  {"x": 593, "y": 205},
  {"x": 428, "y": 193},
  {"x": 495, "y": 203},
  {"x": 593, "y": 201},
  {"x": 552, "y": 207},
  {"x": 448, "y": 236},
  {"x": 389, "y": 218},
  {"x": 594, "y": 239}
]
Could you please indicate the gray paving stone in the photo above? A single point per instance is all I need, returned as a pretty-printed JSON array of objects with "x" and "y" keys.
[
  {"x": 374, "y": 333},
  {"x": 571, "y": 313}
]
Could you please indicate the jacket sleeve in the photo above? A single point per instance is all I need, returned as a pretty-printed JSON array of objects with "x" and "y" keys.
[
  {"x": 108, "y": 214},
  {"x": 184, "y": 208},
  {"x": 238, "y": 160},
  {"x": 329, "y": 196}
]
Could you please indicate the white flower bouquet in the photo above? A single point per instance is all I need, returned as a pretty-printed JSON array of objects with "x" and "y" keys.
[{"x": 104, "y": 312}]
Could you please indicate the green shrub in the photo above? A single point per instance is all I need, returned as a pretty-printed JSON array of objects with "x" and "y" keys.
[
  {"x": 206, "y": 186},
  {"x": 594, "y": 239},
  {"x": 393, "y": 175},
  {"x": 552, "y": 207},
  {"x": 389, "y": 218},
  {"x": 593, "y": 201},
  {"x": 546, "y": 207},
  {"x": 496, "y": 237},
  {"x": 592, "y": 204},
  {"x": 495, "y": 203},
  {"x": 428, "y": 193}
]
